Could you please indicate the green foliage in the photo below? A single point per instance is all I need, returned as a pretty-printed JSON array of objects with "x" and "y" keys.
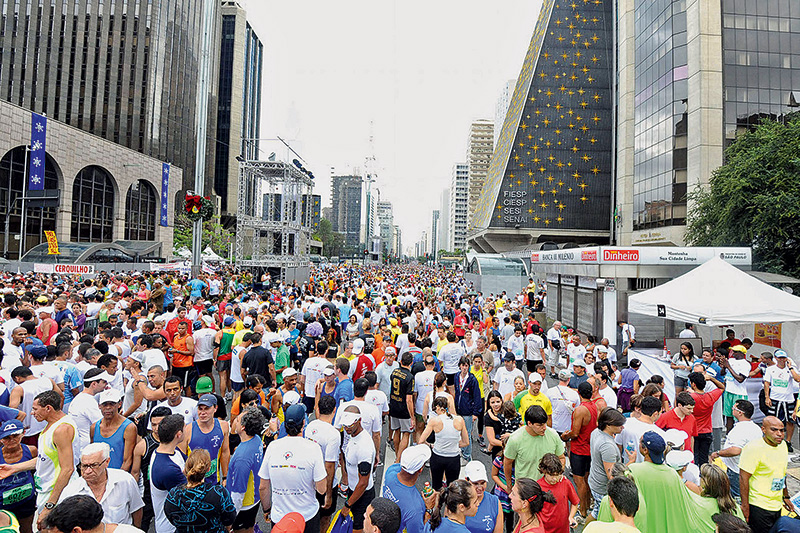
[
  {"x": 214, "y": 234},
  {"x": 754, "y": 198},
  {"x": 332, "y": 241}
]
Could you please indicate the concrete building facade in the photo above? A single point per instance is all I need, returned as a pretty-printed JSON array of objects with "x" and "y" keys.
[
  {"x": 444, "y": 221},
  {"x": 435, "y": 232},
  {"x": 385, "y": 224},
  {"x": 479, "y": 156},
  {"x": 346, "y": 208},
  {"x": 501, "y": 108},
  {"x": 459, "y": 207}
]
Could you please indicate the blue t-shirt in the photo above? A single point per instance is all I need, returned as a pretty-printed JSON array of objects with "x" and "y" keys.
[
  {"x": 8, "y": 413},
  {"x": 197, "y": 287},
  {"x": 72, "y": 380},
  {"x": 166, "y": 472},
  {"x": 168, "y": 299},
  {"x": 5, "y": 395},
  {"x": 447, "y": 526},
  {"x": 343, "y": 391},
  {"x": 243, "y": 471},
  {"x": 486, "y": 517},
  {"x": 412, "y": 508},
  {"x": 344, "y": 314}
]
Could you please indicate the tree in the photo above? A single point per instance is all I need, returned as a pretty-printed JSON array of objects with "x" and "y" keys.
[
  {"x": 332, "y": 241},
  {"x": 214, "y": 235},
  {"x": 754, "y": 198}
]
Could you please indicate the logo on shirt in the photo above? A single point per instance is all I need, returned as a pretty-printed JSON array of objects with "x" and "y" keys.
[{"x": 288, "y": 455}]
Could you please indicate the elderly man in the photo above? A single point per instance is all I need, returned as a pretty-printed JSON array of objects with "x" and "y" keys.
[
  {"x": 119, "y": 492},
  {"x": 115, "y": 430}
]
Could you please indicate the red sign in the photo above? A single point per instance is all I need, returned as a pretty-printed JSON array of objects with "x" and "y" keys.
[
  {"x": 626, "y": 256},
  {"x": 73, "y": 269},
  {"x": 535, "y": 258},
  {"x": 589, "y": 255}
]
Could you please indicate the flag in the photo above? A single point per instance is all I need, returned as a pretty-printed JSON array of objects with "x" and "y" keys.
[
  {"x": 52, "y": 243},
  {"x": 164, "y": 192},
  {"x": 38, "y": 138}
]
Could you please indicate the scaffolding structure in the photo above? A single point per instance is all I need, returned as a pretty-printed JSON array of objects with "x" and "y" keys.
[{"x": 274, "y": 217}]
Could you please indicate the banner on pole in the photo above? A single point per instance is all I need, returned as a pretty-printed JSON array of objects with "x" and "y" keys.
[
  {"x": 164, "y": 192},
  {"x": 52, "y": 243},
  {"x": 38, "y": 142}
]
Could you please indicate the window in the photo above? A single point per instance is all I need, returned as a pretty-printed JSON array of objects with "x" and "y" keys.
[
  {"x": 93, "y": 206},
  {"x": 140, "y": 212}
]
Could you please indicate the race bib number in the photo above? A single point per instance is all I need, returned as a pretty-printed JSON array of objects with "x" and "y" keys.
[
  {"x": 17, "y": 494},
  {"x": 777, "y": 483}
]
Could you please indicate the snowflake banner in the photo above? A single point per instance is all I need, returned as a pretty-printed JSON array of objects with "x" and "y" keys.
[
  {"x": 164, "y": 193},
  {"x": 37, "y": 153}
]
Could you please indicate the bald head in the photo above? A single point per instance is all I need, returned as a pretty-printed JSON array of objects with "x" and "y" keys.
[{"x": 773, "y": 430}]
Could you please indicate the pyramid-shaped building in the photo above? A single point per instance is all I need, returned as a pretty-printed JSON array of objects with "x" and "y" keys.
[{"x": 551, "y": 175}]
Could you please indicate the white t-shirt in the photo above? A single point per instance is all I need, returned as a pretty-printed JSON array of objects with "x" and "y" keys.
[
  {"x": 534, "y": 345},
  {"x": 505, "y": 379},
  {"x": 741, "y": 433},
  {"x": 312, "y": 371},
  {"x": 449, "y": 356},
  {"x": 12, "y": 356},
  {"x": 780, "y": 383},
  {"x": 371, "y": 419},
  {"x": 553, "y": 335},
  {"x": 628, "y": 333},
  {"x": 384, "y": 373},
  {"x": 153, "y": 357},
  {"x": 516, "y": 345},
  {"x": 187, "y": 408},
  {"x": 423, "y": 384},
  {"x": 48, "y": 370},
  {"x": 378, "y": 399},
  {"x": 687, "y": 334},
  {"x": 609, "y": 396},
  {"x": 741, "y": 367},
  {"x": 204, "y": 344},
  {"x": 236, "y": 364},
  {"x": 85, "y": 411},
  {"x": 360, "y": 449},
  {"x": 564, "y": 401},
  {"x": 632, "y": 433},
  {"x": 576, "y": 352},
  {"x": 328, "y": 438},
  {"x": 293, "y": 465}
]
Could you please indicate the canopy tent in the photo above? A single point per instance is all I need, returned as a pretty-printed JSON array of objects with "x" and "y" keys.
[
  {"x": 209, "y": 255},
  {"x": 715, "y": 294}
]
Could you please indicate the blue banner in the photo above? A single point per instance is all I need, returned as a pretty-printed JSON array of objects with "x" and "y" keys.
[
  {"x": 164, "y": 192},
  {"x": 38, "y": 140}
]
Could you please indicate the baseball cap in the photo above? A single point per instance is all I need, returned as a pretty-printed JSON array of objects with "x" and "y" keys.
[
  {"x": 414, "y": 458},
  {"x": 42, "y": 299},
  {"x": 14, "y": 427},
  {"x": 675, "y": 437},
  {"x": 288, "y": 372},
  {"x": 579, "y": 362},
  {"x": 677, "y": 459},
  {"x": 358, "y": 346},
  {"x": 738, "y": 348},
  {"x": 291, "y": 397},
  {"x": 102, "y": 375},
  {"x": 475, "y": 471},
  {"x": 273, "y": 337},
  {"x": 349, "y": 418},
  {"x": 655, "y": 445},
  {"x": 110, "y": 395},
  {"x": 564, "y": 374},
  {"x": 197, "y": 324},
  {"x": 535, "y": 377},
  {"x": 208, "y": 319},
  {"x": 290, "y": 523},
  {"x": 137, "y": 356},
  {"x": 390, "y": 350},
  {"x": 295, "y": 414},
  {"x": 204, "y": 384},
  {"x": 328, "y": 371},
  {"x": 248, "y": 321},
  {"x": 229, "y": 320},
  {"x": 601, "y": 348},
  {"x": 780, "y": 353},
  {"x": 209, "y": 400},
  {"x": 508, "y": 356},
  {"x": 37, "y": 351}
]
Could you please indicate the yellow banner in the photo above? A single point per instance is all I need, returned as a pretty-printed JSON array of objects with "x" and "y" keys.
[{"x": 52, "y": 243}]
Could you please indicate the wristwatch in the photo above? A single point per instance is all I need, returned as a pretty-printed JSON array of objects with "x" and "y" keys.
[{"x": 49, "y": 505}]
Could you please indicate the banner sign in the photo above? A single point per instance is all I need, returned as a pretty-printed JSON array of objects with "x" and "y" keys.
[
  {"x": 645, "y": 255},
  {"x": 62, "y": 268},
  {"x": 164, "y": 192},
  {"x": 52, "y": 243},
  {"x": 38, "y": 141},
  {"x": 768, "y": 334}
]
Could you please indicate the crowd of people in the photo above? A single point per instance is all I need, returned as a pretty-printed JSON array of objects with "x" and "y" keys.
[{"x": 150, "y": 401}]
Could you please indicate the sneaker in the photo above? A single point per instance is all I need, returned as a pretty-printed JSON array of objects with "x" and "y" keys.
[
  {"x": 579, "y": 518},
  {"x": 789, "y": 445},
  {"x": 228, "y": 396},
  {"x": 481, "y": 442}
]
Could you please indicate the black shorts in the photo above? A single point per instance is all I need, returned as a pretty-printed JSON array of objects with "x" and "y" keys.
[
  {"x": 246, "y": 519},
  {"x": 579, "y": 464},
  {"x": 224, "y": 366},
  {"x": 184, "y": 373},
  {"x": 451, "y": 379},
  {"x": 334, "y": 502},
  {"x": 204, "y": 367},
  {"x": 782, "y": 410},
  {"x": 360, "y": 507}
]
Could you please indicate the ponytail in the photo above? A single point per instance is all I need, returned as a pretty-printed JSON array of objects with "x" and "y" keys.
[
  {"x": 530, "y": 491},
  {"x": 459, "y": 492}
]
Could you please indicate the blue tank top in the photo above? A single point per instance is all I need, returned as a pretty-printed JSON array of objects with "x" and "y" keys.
[
  {"x": 323, "y": 393},
  {"x": 18, "y": 490},
  {"x": 115, "y": 441},
  {"x": 486, "y": 517},
  {"x": 212, "y": 443}
]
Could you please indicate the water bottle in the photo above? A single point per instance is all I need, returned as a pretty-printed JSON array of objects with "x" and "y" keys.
[
  {"x": 427, "y": 490},
  {"x": 630, "y": 447}
]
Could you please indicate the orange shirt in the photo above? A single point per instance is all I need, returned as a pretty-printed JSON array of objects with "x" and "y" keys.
[{"x": 178, "y": 359}]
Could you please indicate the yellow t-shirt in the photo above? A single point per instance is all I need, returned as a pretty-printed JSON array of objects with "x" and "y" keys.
[
  {"x": 479, "y": 376},
  {"x": 440, "y": 343},
  {"x": 540, "y": 400},
  {"x": 609, "y": 527},
  {"x": 767, "y": 467}
]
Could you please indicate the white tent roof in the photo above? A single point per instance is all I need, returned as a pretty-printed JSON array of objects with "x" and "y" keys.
[
  {"x": 209, "y": 255},
  {"x": 183, "y": 252},
  {"x": 717, "y": 293}
]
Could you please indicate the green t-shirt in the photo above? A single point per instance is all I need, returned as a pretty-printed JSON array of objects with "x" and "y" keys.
[
  {"x": 527, "y": 450},
  {"x": 282, "y": 361},
  {"x": 640, "y": 518}
]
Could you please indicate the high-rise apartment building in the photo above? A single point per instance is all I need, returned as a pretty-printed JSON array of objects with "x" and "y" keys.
[
  {"x": 501, "y": 108},
  {"x": 459, "y": 206},
  {"x": 397, "y": 241},
  {"x": 479, "y": 155},
  {"x": 435, "y": 232},
  {"x": 385, "y": 224},
  {"x": 444, "y": 221},
  {"x": 125, "y": 70},
  {"x": 369, "y": 213},
  {"x": 241, "y": 57},
  {"x": 346, "y": 208},
  {"x": 692, "y": 75}
]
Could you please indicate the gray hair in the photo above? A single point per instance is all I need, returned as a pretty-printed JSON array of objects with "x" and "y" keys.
[{"x": 97, "y": 447}]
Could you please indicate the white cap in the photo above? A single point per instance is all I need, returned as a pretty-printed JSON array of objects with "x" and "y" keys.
[
  {"x": 579, "y": 362},
  {"x": 272, "y": 337},
  {"x": 358, "y": 346},
  {"x": 288, "y": 372},
  {"x": 102, "y": 375},
  {"x": 110, "y": 395},
  {"x": 348, "y": 419},
  {"x": 414, "y": 458},
  {"x": 475, "y": 471},
  {"x": 677, "y": 459},
  {"x": 675, "y": 437},
  {"x": 535, "y": 377},
  {"x": 291, "y": 397},
  {"x": 328, "y": 371}
]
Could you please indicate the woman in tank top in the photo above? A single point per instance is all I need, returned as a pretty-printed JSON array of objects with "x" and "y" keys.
[
  {"x": 439, "y": 391},
  {"x": 450, "y": 436},
  {"x": 18, "y": 491}
]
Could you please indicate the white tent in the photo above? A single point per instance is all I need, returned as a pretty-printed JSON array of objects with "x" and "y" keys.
[
  {"x": 717, "y": 293},
  {"x": 209, "y": 255},
  {"x": 183, "y": 253}
]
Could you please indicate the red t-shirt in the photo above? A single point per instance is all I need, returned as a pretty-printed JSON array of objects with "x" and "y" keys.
[
  {"x": 555, "y": 516},
  {"x": 703, "y": 405},
  {"x": 670, "y": 420},
  {"x": 363, "y": 365}
]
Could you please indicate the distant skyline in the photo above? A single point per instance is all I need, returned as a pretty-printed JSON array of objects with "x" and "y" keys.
[{"x": 421, "y": 72}]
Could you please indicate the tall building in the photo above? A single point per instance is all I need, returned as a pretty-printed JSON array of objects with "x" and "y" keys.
[
  {"x": 124, "y": 70},
  {"x": 550, "y": 177},
  {"x": 369, "y": 213},
  {"x": 444, "y": 221},
  {"x": 459, "y": 207},
  {"x": 346, "y": 208},
  {"x": 423, "y": 244},
  {"x": 397, "y": 241},
  {"x": 385, "y": 224},
  {"x": 241, "y": 57},
  {"x": 479, "y": 155},
  {"x": 692, "y": 75},
  {"x": 435, "y": 232},
  {"x": 501, "y": 108}
]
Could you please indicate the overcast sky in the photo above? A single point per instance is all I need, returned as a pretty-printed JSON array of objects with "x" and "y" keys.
[{"x": 421, "y": 71}]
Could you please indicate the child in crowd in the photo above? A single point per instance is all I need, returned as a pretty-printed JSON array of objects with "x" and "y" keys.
[{"x": 557, "y": 517}]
